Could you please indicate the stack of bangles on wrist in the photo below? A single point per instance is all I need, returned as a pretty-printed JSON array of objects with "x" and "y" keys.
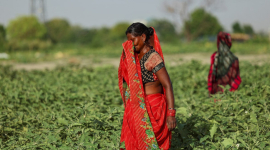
[{"x": 171, "y": 112}]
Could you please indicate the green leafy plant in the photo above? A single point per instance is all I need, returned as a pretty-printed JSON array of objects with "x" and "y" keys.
[{"x": 80, "y": 108}]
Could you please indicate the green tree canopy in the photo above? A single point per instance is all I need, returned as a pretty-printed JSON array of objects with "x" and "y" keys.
[
  {"x": 58, "y": 30},
  {"x": 101, "y": 37},
  {"x": 237, "y": 28},
  {"x": 2, "y": 31},
  {"x": 201, "y": 23},
  {"x": 95, "y": 37},
  {"x": 164, "y": 29},
  {"x": 248, "y": 29},
  {"x": 82, "y": 35},
  {"x": 2, "y": 37},
  {"x": 25, "y": 28},
  {"x": 118, "y": 32},
  {"x": 2, "y": 34}
]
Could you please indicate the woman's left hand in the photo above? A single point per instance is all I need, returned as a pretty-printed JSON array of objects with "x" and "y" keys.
[{"x": 171, "y": 122}]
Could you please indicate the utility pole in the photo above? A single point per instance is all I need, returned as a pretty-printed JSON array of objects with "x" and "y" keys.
[{"x": 38, "y": 11}]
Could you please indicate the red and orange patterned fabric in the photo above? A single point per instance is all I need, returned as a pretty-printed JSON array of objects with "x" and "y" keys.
[
  {"x": 150, "y": 63},
  {"x": 156, "y": 106},
  {"x": 153, "y": 60},
  {"x": 144, "y": 126},
  {"x": 224, "y": 69}
]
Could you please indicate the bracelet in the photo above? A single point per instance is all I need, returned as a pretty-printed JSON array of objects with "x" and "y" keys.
[{"x": 171, "y": 112}]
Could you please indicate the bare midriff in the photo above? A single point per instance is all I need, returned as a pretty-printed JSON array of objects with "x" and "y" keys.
[{"x": 153, "y": 88}]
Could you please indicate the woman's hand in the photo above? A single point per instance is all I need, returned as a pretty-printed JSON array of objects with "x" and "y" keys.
[{"x": 171, "y": 122}]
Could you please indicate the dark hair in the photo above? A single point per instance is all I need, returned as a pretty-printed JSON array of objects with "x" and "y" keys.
[{"x": 137, "y": 29}]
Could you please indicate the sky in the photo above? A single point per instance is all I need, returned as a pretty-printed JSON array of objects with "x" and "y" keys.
[{"x": 98, "y": 13}]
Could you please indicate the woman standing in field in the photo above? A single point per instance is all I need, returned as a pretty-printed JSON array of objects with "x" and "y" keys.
[
  {"x": 224, "y": 69},
  {"x": 146, "y": 90}
]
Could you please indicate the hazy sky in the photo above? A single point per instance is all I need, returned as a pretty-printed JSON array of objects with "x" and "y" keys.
[{"x": 96, "y": 13}]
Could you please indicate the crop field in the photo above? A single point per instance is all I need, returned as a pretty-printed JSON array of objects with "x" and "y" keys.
[
  {"x": 76, "y": 107},
  {"x": 65, "y": 51}
]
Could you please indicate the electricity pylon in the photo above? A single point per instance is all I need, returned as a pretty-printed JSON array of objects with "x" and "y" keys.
[{"x": 38, "y": 11}]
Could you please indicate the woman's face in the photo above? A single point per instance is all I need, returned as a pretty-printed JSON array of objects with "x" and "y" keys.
[{"x": 138, "y": 41}]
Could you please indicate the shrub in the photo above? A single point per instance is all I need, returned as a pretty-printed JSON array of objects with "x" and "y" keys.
[
  {"x": 14, "y": 45},
  {"x": 25, "y": 28},
  {"x": 58, "y": 30},
  {"x": 2, "y": 37}
]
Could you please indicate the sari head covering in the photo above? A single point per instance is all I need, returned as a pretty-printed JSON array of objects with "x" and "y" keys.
[
  {"x": 224, "y": 67},
  {"x": 137, "y": 130}
]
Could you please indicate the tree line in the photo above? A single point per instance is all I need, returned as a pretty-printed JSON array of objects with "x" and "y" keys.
[{"x": 27, "y": 33}]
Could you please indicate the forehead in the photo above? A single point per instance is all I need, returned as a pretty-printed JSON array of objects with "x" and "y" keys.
[{"x": 130, "y": 36}]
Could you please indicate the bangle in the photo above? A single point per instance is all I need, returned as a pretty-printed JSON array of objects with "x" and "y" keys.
[{"x": 171, "y": 112}]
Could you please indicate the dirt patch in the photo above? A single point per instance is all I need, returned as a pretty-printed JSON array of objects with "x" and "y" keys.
[
  {"x": 204, "y": 58},
  {"x": 172, "y": 60}
]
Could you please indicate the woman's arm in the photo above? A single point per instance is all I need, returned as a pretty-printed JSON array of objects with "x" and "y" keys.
[{"x": 165, "y": 80}]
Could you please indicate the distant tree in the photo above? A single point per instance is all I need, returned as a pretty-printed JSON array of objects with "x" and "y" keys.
[
  {"x": 237, "y": 28},
  {"x": 101, "y": 37},
  {"x": 118, "y": 31},
  {"x": 201, "y": 23},
  {"x": 25, "y": 28},
  {"x": 164, "y": 29},
  {"x": 58, "y": 30},
  {"x": 2, "y": 31},
  {"x": 181, "y": 9},
  {"x": 82, "y": 35},
  {"x": 248, "y": 29},
  {"x": 2, "y": 37},
  {"x": 73, "y": 34},
  {"x": 2, "y": 34}
]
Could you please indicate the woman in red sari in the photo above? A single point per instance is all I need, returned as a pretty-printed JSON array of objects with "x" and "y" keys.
[
  {"x": 147, "y": 92},
  {"x": 224, "y": 69}
]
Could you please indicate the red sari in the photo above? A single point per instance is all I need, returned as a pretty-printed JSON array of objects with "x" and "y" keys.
[
  {"x": 144, "y": 122},
  {"x": 224, "y": 69}
]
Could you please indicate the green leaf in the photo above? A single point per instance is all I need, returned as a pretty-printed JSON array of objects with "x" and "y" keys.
[
  {"x": 213, "y": 121},
  {"x": 76, "y": 124},
  {"x": 213, "y": 130},
  {"x": 182, "y": 111},
  {"x": 227, "y": 142},
  {"x": 253, "y": 117},
  {"x": 242, "y": 141},
  {"x": 262, "y": 145},
  {"x": 62, "y": 121},
  {"x": 240, "y": 111},
  {"x": 267, "y": 134},
  {"x": 122, "y": 145},
  {"x": 204, "y": 138}
]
